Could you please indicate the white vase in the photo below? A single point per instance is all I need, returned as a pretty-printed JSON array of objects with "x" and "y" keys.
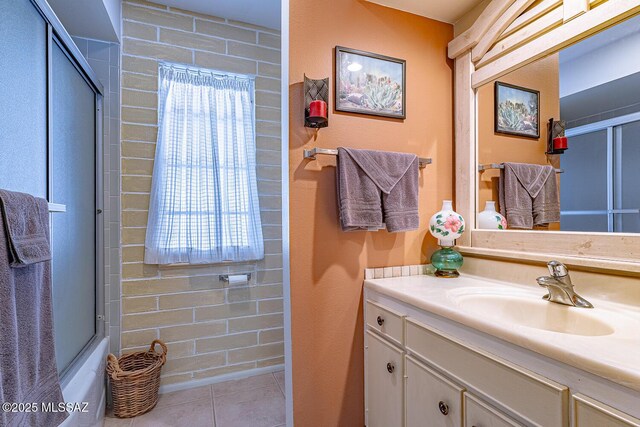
[
  {"x": 446, "y": 225},
  {"x": 490, "y": 219}
]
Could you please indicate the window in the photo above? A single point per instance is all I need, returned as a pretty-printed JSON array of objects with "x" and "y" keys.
[{"x": 204, "y": 197}]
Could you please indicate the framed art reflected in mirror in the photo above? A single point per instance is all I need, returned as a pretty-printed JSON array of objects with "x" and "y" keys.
[{"x": 517, "y": 110}]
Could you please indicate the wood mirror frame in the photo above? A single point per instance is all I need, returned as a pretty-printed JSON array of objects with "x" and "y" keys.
[{"x": 507, "y": 35}]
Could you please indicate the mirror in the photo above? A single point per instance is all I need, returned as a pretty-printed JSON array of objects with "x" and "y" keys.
[{"x": 592, "y": 90}]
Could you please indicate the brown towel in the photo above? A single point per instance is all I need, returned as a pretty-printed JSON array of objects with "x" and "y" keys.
[
  {"x": 377, "y": 189},
  {"x": 528, "y": 195},
  {"x": 28, "y": 371}
]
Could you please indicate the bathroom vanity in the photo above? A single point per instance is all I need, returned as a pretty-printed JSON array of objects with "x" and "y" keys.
[{"x": 477, "y": 352}]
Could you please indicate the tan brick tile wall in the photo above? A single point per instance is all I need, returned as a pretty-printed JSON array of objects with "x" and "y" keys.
[
  {"x": 139, "y": 304},
  {"x": 253, "y": 323},
  {"x": 193, "y": 331},
  {"x": 271, "y": 335},
  {"x": 211, "y": 329},
  {"x": 207, "y": 373},
  {"x": 227, "y": 342}
]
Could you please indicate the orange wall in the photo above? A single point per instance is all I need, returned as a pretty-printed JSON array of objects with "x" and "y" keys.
[
  {"x": 327, "y": 265},
  {"x": 540, "y": 75}
]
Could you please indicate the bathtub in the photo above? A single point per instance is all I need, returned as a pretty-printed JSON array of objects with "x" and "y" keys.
[{"x": 88, "y": 385}]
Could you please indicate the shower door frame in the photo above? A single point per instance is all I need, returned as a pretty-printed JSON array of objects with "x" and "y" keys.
[
  {"x": 613, "y": 128},
  {"x": 56, "y": 33}
]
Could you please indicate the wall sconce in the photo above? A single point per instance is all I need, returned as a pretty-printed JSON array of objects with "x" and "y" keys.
[
  {"x": 316, "y": 102},
  {"x": 556, "y": 141}
]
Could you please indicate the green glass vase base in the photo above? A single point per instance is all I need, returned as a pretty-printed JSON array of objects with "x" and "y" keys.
[
  {"x": 447, "y": 274},
  {"x": 447, "y": 261}
]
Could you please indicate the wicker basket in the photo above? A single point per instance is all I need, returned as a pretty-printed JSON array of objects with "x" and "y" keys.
[{"x": 135, "y": 380}]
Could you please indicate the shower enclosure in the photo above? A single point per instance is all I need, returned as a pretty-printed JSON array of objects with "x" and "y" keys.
[
  {"x": 51, "y": 127},
  {"x": 598, "y": 189}
]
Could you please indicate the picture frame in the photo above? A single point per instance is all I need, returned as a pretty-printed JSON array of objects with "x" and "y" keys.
[
  {"x": 369, "y": 83},
  {"x": 517, "y": 111}
]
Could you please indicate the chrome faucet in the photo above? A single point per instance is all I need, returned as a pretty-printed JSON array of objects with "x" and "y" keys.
[{"x": 560, "y": 287}]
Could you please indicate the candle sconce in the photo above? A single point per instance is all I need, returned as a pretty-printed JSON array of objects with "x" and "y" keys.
[
  {"x": 316, "y": 102},
  {"x": 556, "y": 141}
]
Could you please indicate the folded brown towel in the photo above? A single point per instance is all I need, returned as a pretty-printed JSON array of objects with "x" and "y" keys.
[
  {"x": 27, "y": 235},
  {"x": 528, "y": 195},
  {"x": 377, "y": 188},
  {"x": 28, "y": 372}
]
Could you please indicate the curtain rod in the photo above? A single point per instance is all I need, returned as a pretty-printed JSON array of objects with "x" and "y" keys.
[{"x": 215, "y": 73}]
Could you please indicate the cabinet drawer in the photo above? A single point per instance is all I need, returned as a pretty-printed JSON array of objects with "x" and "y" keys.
[
  {"x": 591, "y": 413},
  {"x": 536, "y": 399},
  {"x": 387, "y": 322},
  {"x": 479, "y": 414},
  {"x": 431, "y": 399},
  {"x": 383, "y": 385}
]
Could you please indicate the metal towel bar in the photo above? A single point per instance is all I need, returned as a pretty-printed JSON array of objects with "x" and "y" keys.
[
  {"x": 482, "y": 168},
  {"x": 312, "y": 153},
  {"x": 57, "y": 207}
]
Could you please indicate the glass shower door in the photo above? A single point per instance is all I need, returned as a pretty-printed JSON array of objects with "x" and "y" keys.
[
  {"x": 599, "y": 189},
  {"x": 627, "y": 177},
  {"x": 73, "y": 183},
  {"x": 23, "y": 110},
  {"x": 583, "y": 185}
]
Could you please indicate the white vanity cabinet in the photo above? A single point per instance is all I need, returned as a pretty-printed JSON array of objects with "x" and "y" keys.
[
  {"x": 384, "y": 385},
  {"x": 591, "y": 413},
  {"x": 522, "y": 393},
  {"x": 384, "y": 364},
  {"x": 430, "y": 396},
  {"x": 428, "y": 365},
  {"x": 479, "y": 414},
  {"x": 425, "y": 378},
  {"x": 385, "y": 321}
]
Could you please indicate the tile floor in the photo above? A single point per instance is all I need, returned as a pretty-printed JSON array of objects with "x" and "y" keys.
[{"x": 256, "y": 401}]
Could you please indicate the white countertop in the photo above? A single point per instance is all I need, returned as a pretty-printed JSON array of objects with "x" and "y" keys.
[{"x": 614, "y": 354}]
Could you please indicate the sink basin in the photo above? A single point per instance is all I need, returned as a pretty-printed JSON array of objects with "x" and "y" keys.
[{"x": 533, "y": 312}]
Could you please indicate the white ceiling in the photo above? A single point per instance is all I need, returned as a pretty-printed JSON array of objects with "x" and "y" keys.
[
  {"x": 601, "y": 58},
  {"x": 440, "y": 10},
  {"x": 628, "y": 28},
  {"x": 258, "y": 12}
]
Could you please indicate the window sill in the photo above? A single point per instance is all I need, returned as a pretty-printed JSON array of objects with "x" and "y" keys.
[{"x": 208, "y": 264}]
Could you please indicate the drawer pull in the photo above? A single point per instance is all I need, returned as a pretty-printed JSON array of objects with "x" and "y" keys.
[
  {"x": 444, "y": 408},
  {"x": 380, "y": 321},
  {"x": 390, "y": 368}
]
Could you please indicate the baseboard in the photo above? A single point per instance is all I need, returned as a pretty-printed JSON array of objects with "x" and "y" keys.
[{"x": 168, "y": 388}]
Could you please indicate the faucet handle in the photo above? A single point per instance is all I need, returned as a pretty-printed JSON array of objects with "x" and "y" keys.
[{"x": 557, "y": 269}]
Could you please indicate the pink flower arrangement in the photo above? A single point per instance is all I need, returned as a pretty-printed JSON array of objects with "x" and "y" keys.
[
  {"x": 452, "y": 224},
  {"x": 503, "y": 223}
]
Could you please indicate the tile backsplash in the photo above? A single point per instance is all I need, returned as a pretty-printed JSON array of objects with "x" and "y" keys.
[{"x": 397, "y": 271}]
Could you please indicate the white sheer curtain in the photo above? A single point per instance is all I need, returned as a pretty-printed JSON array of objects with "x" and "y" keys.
[{"x": 204, "y": 197}]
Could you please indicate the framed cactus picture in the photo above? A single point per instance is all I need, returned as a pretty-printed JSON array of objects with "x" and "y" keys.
[
  {"x": 517, "y": 110},
  {"x": 368, "y": 83}
]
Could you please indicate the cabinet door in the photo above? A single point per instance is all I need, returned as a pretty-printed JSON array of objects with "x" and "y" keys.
[
  {"x": 383, "y": 383},
  {"x": 431, "y": 399},
  {"x": 531, "y": 397},
  {"x": 479, "y": 414},
  {"x": 591, "y": 413}
]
